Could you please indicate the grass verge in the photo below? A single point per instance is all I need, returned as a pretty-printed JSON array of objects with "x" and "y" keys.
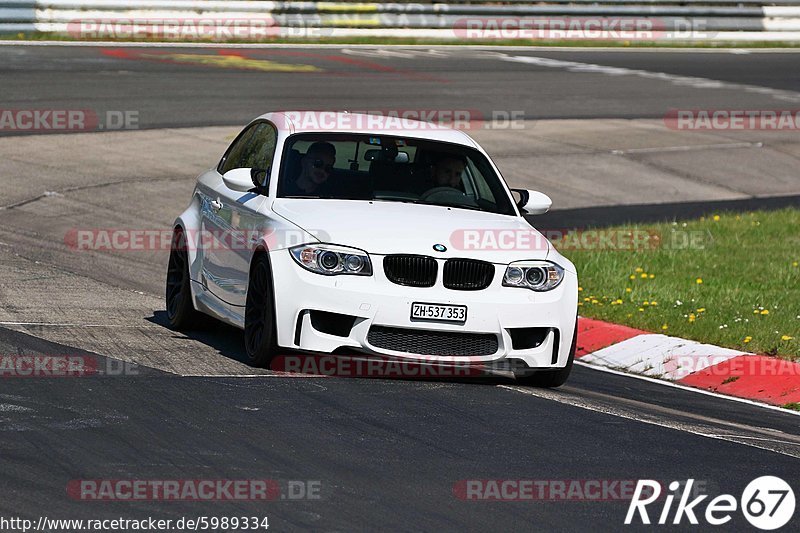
[{"x": 729, "y": 279}]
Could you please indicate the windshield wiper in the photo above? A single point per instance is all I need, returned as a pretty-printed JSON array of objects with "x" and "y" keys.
[
  {"x": 461, "y": 206},
  {"x": 401, "y": 200}
]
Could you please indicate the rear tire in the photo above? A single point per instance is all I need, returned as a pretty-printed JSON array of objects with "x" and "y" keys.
[
  {"x": 552, "y": 378},
  {"x": 259, "y": 314},
  {"x": 181, "y": 314}
]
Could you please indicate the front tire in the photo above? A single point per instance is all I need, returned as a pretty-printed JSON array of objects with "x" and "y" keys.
[
  {"x": 552, "y": 378},
  {"x": 181, "y": 314},
  {"x": 259, "y": 314}
]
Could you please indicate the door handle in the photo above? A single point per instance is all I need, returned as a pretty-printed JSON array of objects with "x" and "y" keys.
[{"x": 216, "y": 205}]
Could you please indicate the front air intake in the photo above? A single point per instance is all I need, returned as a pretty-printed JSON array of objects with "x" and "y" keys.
[{"x": 426, "y": 342}]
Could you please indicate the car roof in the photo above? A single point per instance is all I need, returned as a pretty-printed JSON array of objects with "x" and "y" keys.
[{"x": 375, "y": 124}]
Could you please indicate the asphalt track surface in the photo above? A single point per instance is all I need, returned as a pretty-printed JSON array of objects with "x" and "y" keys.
[
  {"x": 386, "y": 453},
  {"x": 169, "y": 89}
]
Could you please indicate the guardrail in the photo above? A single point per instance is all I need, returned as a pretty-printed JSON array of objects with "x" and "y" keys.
[{"x": 465, "y": 20}]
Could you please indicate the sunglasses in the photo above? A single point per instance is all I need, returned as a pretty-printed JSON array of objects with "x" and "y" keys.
[{"x": 319, "y": 163}]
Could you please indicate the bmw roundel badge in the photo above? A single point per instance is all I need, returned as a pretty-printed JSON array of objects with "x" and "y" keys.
[{"x": 440, "y": 247}]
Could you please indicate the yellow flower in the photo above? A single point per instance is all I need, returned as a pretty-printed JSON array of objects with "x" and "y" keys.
[
  {"x": 691, "y": 317},
  {"x": 594, "y": 301},
  {"x": 631, "y": 277},
  {"x": 786, "y": 338},
  {"x": 716, "y": 218},
  {"x": 652, "y": 276},
  {"x": 639, "y": 269},
  {"x": 765, "y": 311},
  {"x": 653, "y": 302},
  {"x": 699, "y": 281},
  {"x": 587, "y": 299},
  {"x": 794, "y": 264},
  {"x": 641, "y": 309},
  {"x": 580, "y": 304},
  {"x": 755, "y": 311},
  {"x": 701, "y": 310},
  {"x": 747, "y": 339},
  {"x": 644, "y": 275},
  {"x": 645, "y": 302},
  {"x": 664, "y": 327},
  {"x": 627, "y": 289}
]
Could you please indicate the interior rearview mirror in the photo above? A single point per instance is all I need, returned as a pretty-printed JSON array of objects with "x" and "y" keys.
[{"x": 381, "y": 155}]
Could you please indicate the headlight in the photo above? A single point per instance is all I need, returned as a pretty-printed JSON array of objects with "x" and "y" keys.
[
  {"x": 535, "y": 275},
  {"x": 332, "y": 260}
]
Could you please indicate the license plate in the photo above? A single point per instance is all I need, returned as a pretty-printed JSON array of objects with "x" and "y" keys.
[{"x": 450, "y": 313}]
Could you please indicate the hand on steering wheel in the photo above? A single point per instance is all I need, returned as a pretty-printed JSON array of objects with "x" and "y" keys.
[{"x": 442, "y": 192}]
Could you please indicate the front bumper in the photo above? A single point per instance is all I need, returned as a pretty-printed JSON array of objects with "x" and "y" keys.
[{"x": 376, "y": 301}]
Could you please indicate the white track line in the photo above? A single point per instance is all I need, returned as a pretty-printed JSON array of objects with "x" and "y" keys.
[
  {"x": 314, "y": 376},
  {"x": 689, "y": 389},
  {"x": 293, "y": 376},
  {"x": 67, "y": 325},
  {"x": 654, "y": 420},
  {"x": 689, "y": 148},
  {"x": 680, "y": 81},
  {"x": 580, "y": 363},
  {"x": 119, "y": 44}
]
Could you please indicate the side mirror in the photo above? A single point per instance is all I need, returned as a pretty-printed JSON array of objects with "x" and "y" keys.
[
  {"x": 533, "y": 202},
  {"x": 245, "y": 179},
  {"x": 238, "y": 179}
]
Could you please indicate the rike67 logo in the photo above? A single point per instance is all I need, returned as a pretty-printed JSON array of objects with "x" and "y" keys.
[{"x": 767, "y": 502}]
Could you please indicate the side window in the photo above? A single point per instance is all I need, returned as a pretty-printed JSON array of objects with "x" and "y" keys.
[
  {"x": 254, "y": 149},
  {"x": 482, "y": 188},
  {"x": 234, "y": 155}
]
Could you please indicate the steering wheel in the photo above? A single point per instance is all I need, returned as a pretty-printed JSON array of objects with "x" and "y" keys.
[{"x": 444, "y": 194}]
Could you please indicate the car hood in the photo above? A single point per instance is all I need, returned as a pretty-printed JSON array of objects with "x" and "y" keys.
[{"x": 381, "y": 227}]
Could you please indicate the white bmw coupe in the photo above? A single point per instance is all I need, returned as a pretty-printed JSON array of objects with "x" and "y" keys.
[{"x": 341, "y": 232}]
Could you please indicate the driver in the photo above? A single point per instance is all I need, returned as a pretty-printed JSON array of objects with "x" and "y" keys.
[
  {"x": 447, "y": 171},
  {"x": 315, "y": 169}
]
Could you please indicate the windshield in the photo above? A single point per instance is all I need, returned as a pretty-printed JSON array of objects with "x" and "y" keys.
[{"x": 391, "y": 169}]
